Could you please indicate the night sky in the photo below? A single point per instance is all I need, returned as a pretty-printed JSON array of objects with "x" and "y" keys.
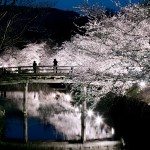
[{"x": 70, "y": 4}]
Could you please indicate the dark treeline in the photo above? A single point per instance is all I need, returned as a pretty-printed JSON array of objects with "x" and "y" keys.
[{"x": 130, "y": 118}]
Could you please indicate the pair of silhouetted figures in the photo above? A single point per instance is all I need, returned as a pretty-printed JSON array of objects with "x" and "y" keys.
[{"x": 55, "y": 62}]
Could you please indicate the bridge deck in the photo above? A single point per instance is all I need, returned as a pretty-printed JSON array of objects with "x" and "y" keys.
[{"x": 42, "y": 74}]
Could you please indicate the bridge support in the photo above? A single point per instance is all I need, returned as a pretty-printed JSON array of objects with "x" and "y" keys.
[
  {"x": 25, "y": 127},
  {"x": 3, "y": 94},
  {"x": 83, "y": 117}
]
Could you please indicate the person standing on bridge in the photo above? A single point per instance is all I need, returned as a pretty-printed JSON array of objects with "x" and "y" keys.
[
  {"x": 34, "y": 67},
  {"x": 55, "y": 62}
]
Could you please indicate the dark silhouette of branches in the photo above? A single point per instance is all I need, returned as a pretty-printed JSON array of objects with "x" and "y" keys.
[{"x": 9, "y": 33}]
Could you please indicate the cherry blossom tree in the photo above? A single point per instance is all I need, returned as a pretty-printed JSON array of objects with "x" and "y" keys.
[
  {"x": 113, "y": 55},
  {"x": 115, "y": 52}
]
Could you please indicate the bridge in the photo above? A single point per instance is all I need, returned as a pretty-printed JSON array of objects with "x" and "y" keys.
[
  {"x": 26, "y": 75},
  {"x": 40, "y": 74}
]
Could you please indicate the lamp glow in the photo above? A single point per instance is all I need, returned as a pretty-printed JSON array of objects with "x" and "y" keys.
[
  {"x": 90, "y": 113},
  {"x": 112, "y": 131},
  {"x": 99, "y": 120}
]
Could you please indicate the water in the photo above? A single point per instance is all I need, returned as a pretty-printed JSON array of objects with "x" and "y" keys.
[
  {"x": 37, "y": 130},
  {"x": 51, "y": 116}
]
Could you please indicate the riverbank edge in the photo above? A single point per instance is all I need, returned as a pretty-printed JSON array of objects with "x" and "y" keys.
[{"x": 94, "y": 145}]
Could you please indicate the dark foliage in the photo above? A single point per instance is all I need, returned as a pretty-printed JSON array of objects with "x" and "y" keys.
[{"x": 130, "y": 118}]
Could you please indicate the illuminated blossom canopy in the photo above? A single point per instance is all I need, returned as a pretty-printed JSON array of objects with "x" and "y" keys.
[{"x": 115, "y": 52}]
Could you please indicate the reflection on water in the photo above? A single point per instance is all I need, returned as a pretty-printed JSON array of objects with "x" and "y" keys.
[
  {"x": 37, "y": 130},
  {"x": 56, "y": 110}
]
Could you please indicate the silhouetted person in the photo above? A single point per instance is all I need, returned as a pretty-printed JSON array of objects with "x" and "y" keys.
[
  {"x": 34, "y": 66},
  {"x": 55, "y": 62}
]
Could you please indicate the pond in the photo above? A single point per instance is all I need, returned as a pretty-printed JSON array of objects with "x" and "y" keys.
[
  {"x": 37, "y": 129},
  {"x": 51, "y": 116}
]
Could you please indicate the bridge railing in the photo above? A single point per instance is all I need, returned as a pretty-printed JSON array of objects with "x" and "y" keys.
[{"x": 37, "y": 70}]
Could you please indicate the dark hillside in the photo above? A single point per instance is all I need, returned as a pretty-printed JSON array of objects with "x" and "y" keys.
[{"x": 25, "y": 24}]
